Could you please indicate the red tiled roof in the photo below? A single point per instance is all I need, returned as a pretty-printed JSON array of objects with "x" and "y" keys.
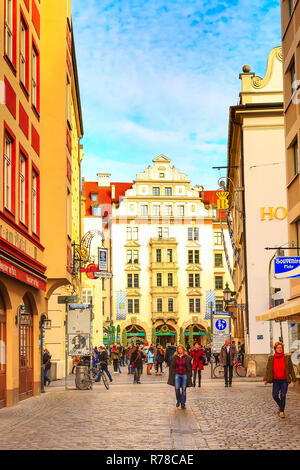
[{"x": 104, "y": 195}]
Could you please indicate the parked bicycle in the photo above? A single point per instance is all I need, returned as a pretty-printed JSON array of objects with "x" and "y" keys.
[
  {"x": 238, "y": 370},
  {"x": 85, "y": 380}
]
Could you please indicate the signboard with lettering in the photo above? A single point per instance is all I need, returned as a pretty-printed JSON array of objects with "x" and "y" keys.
[
  {"x": 103, "y": 259},
  {"x": 221, "y": 330},
  {"x": 287, "y": 267},
  {"x": 17, "y": 273}
]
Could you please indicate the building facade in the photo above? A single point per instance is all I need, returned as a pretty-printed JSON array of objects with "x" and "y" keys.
[
  {"x": 166, "y": 252},
  {"x": 258, "y": 206},
  {"x": 22, "y": 264},
  {"x": 62, "y": 156}
]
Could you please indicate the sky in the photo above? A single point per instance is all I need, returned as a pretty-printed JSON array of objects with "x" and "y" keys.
[{"x": 158, "y": 77}]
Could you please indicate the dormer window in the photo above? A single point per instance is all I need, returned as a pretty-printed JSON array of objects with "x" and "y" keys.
[{"x": 161, "y": 175}]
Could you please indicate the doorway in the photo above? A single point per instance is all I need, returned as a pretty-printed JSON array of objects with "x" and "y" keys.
[
  {"x": 2, "y": 354},
  {"x": 26, "y": 352}
]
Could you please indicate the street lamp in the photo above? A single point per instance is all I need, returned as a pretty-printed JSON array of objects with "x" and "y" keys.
[{"x": 229, "y": 296}]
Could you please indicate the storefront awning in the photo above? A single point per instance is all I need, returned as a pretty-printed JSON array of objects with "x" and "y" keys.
[{"x": 289, "y": 310}]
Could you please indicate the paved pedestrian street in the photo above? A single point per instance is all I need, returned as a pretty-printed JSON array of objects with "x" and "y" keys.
[{"x": 134, "y": 417}]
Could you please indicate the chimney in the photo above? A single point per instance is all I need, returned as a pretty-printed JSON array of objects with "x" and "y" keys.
[
  {"x": 113, "y": 192},
  {"x": 103, "y": 180}
]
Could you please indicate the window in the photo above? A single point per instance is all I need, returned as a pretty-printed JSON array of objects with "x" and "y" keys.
[
  {"x": 103, "y": 284},
  {"x": 170, "y": 280},
  {"x": 194, "y": 305},
  {"x": 23, "y": 188},
  {"x": 170, "y": 305},
  {"x": 219, "y": 305},
  {"x": 132, "y": 233},
  {"x": 35, "y": 202},
  {"x": 194, "y": 280},
  {"x": 298, "y": 234},
  {"x": 163, "y": 232},
  {"x": 169, "y": 210},
  {"x": 180, "y": 211},
  {"x": 97, "y": 211},
  {"x": 156, "y": 211},
  {"x": 9, "y": 29},
  {"x": 159, "y": 305},
  {"x": 136, "y": 280},
  {"x": 94, "y": 197},
  {"x": 193, "y": 233},
  {"x": 218, "y": 238},
  {"x": 161, "y": 175},
  {"x": 293, "y": 77},
  {"x": 193, "y": 257},
  {"x": 158, "y": 255},
  {"x": 144, "y": 210},
  {"x": 135, "y": 257},
  {"x": 296, "y": 157},
  {"x": 218, "y": 260},
  {"x": 133, "y": 306},
  {"x": 132, "y": 281},
  {"x": 68, "y": 106},
  {"x": 69, "y": 214},
  {"x": 23, "y": 53},
  {"x": 158, "y": 279},
  {"x": 34, "y": 78},
  {"x": 169, "y": 255},
  {"x": 291, "y": 7},
  {"x": 87, "y": 296},
  {"x": 156, "y": 191},
  {"x": 129, "y": 281},
  {"x": 8, "y": 178},
  {"x": 168, "y": 191},
  {"x": 219, "y": 283}
]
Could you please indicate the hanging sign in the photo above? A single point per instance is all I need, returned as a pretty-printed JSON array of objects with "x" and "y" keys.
[
  {"x": 287, "y": 267},
  {"x": 103, "y": 259}
]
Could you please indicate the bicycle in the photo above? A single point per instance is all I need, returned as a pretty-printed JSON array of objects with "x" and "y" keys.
[
  {"x": 238, "y": 370},
  {"x": 95, "y": 372}
]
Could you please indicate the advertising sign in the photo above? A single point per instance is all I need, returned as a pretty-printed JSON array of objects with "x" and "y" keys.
[
  {"x": 287, "y": 267},
  {"x": 103, "y": 259},
  {"x": 79, "y": 321},
  {"x": 79, "y": 345}
]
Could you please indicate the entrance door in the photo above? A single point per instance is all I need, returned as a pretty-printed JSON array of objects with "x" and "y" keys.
[
  {"x": 2, "y": 354},
  {"x": 164, "y": 340},
  {"x": 26, "y": 355}
]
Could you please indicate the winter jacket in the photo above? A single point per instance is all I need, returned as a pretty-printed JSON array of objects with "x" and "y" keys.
[
  {"x": 198, "y": 356},
  {"x": 137, "y": 359},
  {"x": 114, "y": 354},
  {"x": 170, "y": 351},
  {"x": 289, "y": 370},
  {"x": 232, "y": 355},
  {"x": 150, "y": 357},
  {"x": 160, "y": 356},
  {"x": 172, "y": 368}
]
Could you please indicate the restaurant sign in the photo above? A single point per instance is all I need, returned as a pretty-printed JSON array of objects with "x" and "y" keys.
[{"x": 22, "y": 276}]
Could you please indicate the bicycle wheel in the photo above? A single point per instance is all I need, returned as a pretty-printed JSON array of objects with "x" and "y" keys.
[
  {"x": 241, "y": 371},
  {"x": 219, "y": 372},
  {"x": 105, "y": 380}
]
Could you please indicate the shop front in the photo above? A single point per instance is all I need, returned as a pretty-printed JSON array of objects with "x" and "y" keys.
[
  {"x": 165, "y": 334},
  {"x": 135, "y": 333},
  {"x": 197, "y": 333},
  {"x": 290, "y": 312}
]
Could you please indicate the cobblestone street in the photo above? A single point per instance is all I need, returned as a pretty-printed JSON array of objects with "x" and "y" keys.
[{"x": 144, "y": 416}]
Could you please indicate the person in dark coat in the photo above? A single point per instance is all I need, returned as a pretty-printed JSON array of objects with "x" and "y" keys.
[
  {"x": 198, "y": 356},
  {"x": 47, "y": 365},
  {"x": 180, "y": 374},
  {"x": 170, "y": 351},
  {"x": 228, "y": 357},
  {"x": 103, "y": 361},
  {"x": 160, "y": 357},
  {"x": 137, "y": 363}
]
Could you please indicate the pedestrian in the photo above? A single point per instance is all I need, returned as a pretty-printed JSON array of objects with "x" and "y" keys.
[
  {"x": 103, "y": 363},
  {"x": 228, "y": 357},
  {"x": 47, "y": 366},
  {"x": 180, "y": 374},
  {"x": 160, "y": 357},
  {"x": 198, "y": 356},
  {"x": 122, "y": 354},
  {"x": 128, "y": 354},
  {"x": 150, "y": 360},
  {"x": 115, "y": 356},
  {"x": 280, "y": 372},
  {"x": 170, "y": 351},
  {"x": 241, "y": 352},
  {"x": 137, "y": 363}
]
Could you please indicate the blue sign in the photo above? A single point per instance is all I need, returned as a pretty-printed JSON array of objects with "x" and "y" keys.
[
  {"x": 260, "y": 336},
  {"x": 221, "y": 324},
  {"x": 287, "y": 267},
  {"x": 102, "y": 259},
  {"x": 222, "y": 313},
  {"x": 79, "y": 306}
]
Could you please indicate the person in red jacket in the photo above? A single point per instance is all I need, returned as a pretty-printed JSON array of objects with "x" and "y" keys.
[{"x": 198, "y": 356}]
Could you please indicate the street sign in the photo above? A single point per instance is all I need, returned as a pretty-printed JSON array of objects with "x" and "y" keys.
[
  {"x": 65, "y": 299},
  {"x": 287, "y": 267},
  {"x": 79, "y": 321},
  {"x": 222, "y": 313},
  {"x": 79, "y": 306},
  {"x": 103, "y": 275},
  {"x": 103, "y": 259},
  {"x": 221, "y": 328}
]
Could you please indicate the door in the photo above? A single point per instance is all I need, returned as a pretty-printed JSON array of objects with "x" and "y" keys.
[
  {"x": 2, "y": 354},
  {"x": 26, "y": 355}
]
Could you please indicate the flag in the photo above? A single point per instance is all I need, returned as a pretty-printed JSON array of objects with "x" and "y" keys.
[
  {"x": 121, "y": 305},
  {"x": 210, "y": 298}
]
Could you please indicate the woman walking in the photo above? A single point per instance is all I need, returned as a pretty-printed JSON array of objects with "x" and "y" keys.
[
  {"x": 137, "y": 363},
  {"x": 180, "y": 374},
  {"x": 160, "y": 357},
  {"x": 150, "y": 360},
  {"x": 115, "y": 356},
  {"x": 198, "y": 356},
  {"x": 280, "y": 372}
]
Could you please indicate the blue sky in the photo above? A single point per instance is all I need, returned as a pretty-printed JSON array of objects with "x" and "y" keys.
[{"x": 158, "y": 76}]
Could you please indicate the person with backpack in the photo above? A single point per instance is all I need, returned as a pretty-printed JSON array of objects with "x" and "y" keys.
[
  {"x": 137, "y": 363},
  {"x": 115, "y": 357},
  {"x": 160, "y": 357},
  {"x": 47, "y": 366},
  {"x": 150, "y": 360}
]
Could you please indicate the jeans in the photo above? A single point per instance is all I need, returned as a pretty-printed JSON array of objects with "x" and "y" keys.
[
  {"x": 105, "y": 369},
  {"x": 137, "y": 374},
  {"x": 180, "y": 382},
  {"x": 280, "y": 387},
  {"x": 226, "y": 370},
  {"x": 159, "y": 366},
  {"x": 46, "y": 378},
  {"x": 119, "y": 366}
]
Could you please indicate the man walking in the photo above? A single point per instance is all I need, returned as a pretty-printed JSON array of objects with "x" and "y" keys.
[
  {"x": 228, "y": 357},
  {"x": 103, "y": 362}
]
